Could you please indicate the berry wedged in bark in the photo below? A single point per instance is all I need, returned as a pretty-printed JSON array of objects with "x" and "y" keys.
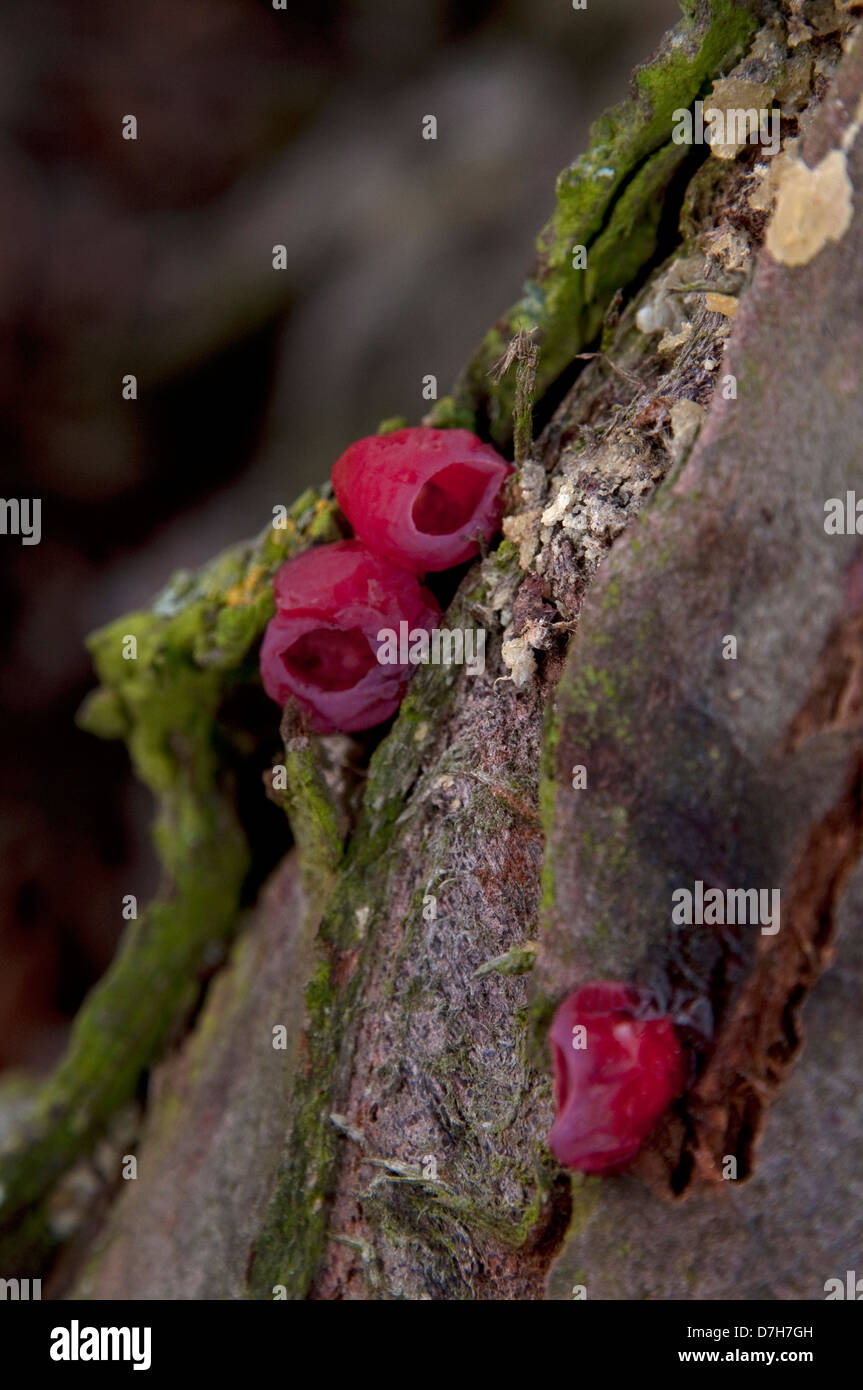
[
  {"x": 321, "y": 646},
  {"x": 423, "y": 497},
  {"x": 613, "y": 1081}
]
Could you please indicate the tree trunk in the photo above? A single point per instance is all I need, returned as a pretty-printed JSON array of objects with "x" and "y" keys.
[{"x": 670, "y": 612}]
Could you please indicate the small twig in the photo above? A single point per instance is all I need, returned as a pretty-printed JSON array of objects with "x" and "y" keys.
[
  {"x": 522, "y": 350},
  {"x": 732, "y": 287},
  {"x": 627, "y": 376}
]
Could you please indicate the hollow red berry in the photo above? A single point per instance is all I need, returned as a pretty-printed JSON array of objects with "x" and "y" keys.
[
  {"x": 321, "y": 646},
  {"x": 614, "y": 1075},
  {"x": 422, "y": 497}
]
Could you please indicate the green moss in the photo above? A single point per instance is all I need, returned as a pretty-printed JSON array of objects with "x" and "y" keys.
[
  {"x": 438, "y": 1213},
  {"x": 505, "y": 557},
  {"x": 104, "y": 714},
  {"x": 197, "y": 642},
  {"x": 393, "y": 423},
  {"x": 584, "y": 1195},
  {"x": 447, "y": 415},
  {"x": 610, "y": 201},
  {"x": 320, "y": 994},
  {"x": 294, "y": 1230},
  {"x": 311, "y": 810},
  {"x": 516, "y": 961},
  {"x": 164, "y": 700},
  {"x": 594, "y": 700}
]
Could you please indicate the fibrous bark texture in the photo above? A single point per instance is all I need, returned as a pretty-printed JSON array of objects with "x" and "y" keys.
[{"x": 671, "y": 697}]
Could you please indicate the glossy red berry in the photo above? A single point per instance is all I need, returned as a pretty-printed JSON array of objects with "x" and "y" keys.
[
  {"x": 614, "y": 1075},
  {"x": 423, "y": 497},
  {"x": 321, "y": 647}
]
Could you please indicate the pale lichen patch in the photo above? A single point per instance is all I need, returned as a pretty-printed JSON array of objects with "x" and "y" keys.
[
  {"x": 532, "y": 483},
  {"x": 523, "y": 531},
  {"x": 663, "y": 310},
  {"x": 813, "y": 208},
  {"x": 737, "y": 98},
  {"x": 560, "y": 506},
  {"x": 518, "y": 657},
  {"x": 725, "y": 304},
  {"x": 670, "y": 342},
  {"x": 687, "y": 417}
]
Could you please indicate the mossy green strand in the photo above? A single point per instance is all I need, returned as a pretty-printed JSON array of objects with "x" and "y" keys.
[
  {"x": 191, "y": 646},
  {"x": 610, "y": 201}
]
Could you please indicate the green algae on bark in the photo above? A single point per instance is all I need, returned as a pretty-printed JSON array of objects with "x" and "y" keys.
[
  {"x": 310, "y": 807},
  {"x": 729, "y": 769},
  {"x": 194, "y": 646},
  {"x": 161, "y": 692},
  {"x": 610, "y": 202},
  {"x": 291, "y": 1241}
]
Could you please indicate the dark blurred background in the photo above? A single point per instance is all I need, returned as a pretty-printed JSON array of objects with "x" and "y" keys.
[{"x": 256, "y": 126}]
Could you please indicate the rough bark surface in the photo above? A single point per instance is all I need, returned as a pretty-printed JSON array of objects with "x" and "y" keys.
[
  {"x": 734, "y": 772},
  {"x": 395, "y": 1147},
  {"x": 216, "y": 1118}
]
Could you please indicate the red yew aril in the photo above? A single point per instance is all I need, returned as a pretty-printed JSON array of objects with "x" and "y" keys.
[
  {"x": 615, "y": 1074},
  {"x": 422, "y": 497},
  {"x": 321, "y": 646}
]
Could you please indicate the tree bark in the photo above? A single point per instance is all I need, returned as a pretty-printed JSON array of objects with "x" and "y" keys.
[{"x": 434, "y": 910}]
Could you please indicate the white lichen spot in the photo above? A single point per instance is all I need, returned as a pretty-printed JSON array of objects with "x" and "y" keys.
[
  {"x": 670, "y": 342},
  {"x": 531, "y": 482},
  {"x": 420, "y": 733},
  {"x": 519, "y": 658},
  {"x": 648, "y": 319},
  {"x": 523, "y": 531},
  {"x": 664, "y": 310},
  {"x": 813, "y": 207},
  {"x": 361, "y": 918},
  {"x": 560, "y": 506}
]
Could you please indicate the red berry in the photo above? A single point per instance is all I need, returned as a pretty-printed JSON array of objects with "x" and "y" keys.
[
  {"x": 421, "y": 496},
  {"x": 613, "y": 1081},
  {"x": 321, "y": 646}
]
